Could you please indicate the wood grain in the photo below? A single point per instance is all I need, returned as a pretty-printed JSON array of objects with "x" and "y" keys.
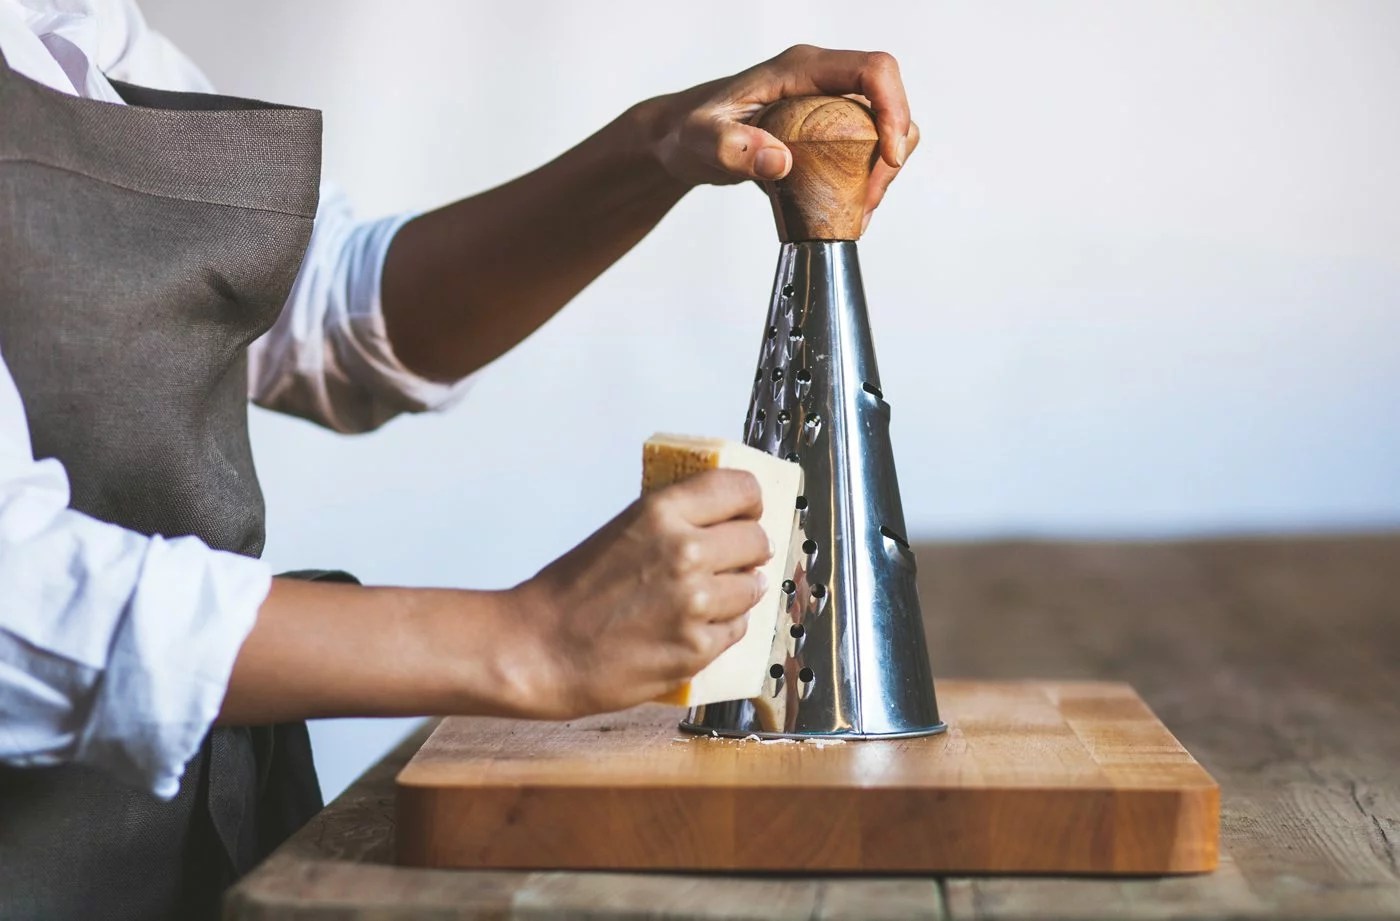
[
  {"x": 832, "y": 140},
  {"x": 1272, "y": 660},
  {"x": 1032, "y": 777}
]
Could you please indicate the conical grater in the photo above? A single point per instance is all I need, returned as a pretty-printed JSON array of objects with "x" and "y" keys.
[{"x": 849, "y": 658}]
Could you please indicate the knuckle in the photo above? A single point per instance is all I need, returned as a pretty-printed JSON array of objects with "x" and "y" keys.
[
  {"x": 656, "y": 511},
  {"x": 727, "y": 151},
  {"x": 693, "y": 601},
  {"x": 697, "y": 644},
  {"x": 881, "y": 61},
  {"x": 687, "y": 553},
  {"x": 800, "y": 50}
]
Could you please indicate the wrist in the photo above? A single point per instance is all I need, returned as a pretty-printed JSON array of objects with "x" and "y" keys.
[
  {"x": 471, "y": 653},
  {"x": 650, "y": 130},
  {"x": 527, "y": 667}
]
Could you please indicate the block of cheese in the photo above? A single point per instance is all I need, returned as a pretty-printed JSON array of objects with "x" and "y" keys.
[{"x": 738, "y": 672}]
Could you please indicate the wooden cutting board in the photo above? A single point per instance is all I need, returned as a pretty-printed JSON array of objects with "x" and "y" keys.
[{"x": 1031, "y": 777}]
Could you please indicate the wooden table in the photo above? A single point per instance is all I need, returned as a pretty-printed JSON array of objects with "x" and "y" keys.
[{"x": 1276, "y": 662}]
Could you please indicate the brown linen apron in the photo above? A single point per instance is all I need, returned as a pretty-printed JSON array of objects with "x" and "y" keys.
[{"x": 142, "y": 248}]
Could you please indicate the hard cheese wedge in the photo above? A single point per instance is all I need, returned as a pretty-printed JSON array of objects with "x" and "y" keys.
[{"x": 739, "y": 671}]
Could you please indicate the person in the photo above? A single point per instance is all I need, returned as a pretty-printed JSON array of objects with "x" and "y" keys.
[{"x": 167, "y": 254}]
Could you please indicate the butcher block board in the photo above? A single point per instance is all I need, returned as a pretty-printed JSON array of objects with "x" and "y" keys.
[{"x": 1031, "y": 777}]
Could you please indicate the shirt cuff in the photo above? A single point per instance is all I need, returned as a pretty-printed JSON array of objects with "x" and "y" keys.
[{"x": 171, "y": 661}]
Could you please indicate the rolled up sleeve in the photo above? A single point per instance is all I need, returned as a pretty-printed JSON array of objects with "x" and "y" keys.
[
  {"x": 115, "y": 648},
  {"x": 328, "y": 358}
]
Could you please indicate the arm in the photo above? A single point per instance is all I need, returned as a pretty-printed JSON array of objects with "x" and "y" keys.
[
  {"x": 464, "y": 284},
  {"x": 118, "y": 650},
  {"x": 629, "y": 614},
  {"x": 115, "y": 647}
]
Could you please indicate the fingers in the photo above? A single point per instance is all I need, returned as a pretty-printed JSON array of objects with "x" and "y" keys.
[
  {"x": 704, "y": 643},
  {"x": 711, "y": 497},
  {"x": 729, "y": 595},
  {"x": 805, "y": 70},
  {"x": 713, "y": 143},
  {"x": 882, "y": 175},
  {"x": 735, "y": 545},
  {"x": 751, "y": 153}
]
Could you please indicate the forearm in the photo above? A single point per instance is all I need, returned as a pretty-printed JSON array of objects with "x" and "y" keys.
[
  {"x": 640, "y": 606},
  {"x": 325, "y": 650},
  {"x": 464, "y": 284}
]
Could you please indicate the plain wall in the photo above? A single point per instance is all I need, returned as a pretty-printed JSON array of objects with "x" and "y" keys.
[{"x": 1141, "y": 279}]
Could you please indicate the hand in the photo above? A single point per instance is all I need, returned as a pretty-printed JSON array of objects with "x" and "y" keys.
[
  {"x": 703, "y": 136},
  {"x": 647, "y": 601}
]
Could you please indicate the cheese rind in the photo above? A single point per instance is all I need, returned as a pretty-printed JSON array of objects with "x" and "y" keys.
[{"x": 738, "y": 672}]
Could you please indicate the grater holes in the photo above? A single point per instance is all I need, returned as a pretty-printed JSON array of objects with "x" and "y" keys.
[
  {"x": 756, "y": 424},
  {"x": 806, "y": 675},
  {"x": 774, "y": 671},
  {"x": 794, "y": 342},
  {"x": 797, "y": 631},
  {"x": 788, "y": 291},
  {"x": 802, "y": 383},
  {"x": 772, "y": 332},
  {"x": 872, "y": 390},
  {"x": 891, "y": 534},
  {"x": 802, "y": 511},
  {"x": 794, "y": 457}
]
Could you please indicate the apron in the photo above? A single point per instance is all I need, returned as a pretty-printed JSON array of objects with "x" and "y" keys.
[{"x": 142, "y": 248}]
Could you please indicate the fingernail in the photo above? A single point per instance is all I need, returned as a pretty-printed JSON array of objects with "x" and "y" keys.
[
  {"x": 865, "y": 221},
  {"x": 762, "y": 582},
  {"x": 770, "y": 163},
  {"x": 901, "y": 150}
]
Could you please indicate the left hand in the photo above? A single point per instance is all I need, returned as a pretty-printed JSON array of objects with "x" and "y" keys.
[{"x": 703, "y": 135}]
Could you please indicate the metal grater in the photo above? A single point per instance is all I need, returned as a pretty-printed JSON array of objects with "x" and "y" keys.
[{"x": 849, "y": 658}]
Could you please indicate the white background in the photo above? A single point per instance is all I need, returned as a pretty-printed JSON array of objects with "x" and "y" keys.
[{"x": 1142, "y": 278}]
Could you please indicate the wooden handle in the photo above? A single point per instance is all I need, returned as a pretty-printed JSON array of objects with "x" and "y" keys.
[{"x": 833, "y": 141}]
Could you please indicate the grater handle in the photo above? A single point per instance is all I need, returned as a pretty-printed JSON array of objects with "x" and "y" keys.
[{"x": 833, "y": 142}]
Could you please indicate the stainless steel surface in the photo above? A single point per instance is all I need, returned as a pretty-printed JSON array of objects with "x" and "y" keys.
[{"x": 849, "y": 658}]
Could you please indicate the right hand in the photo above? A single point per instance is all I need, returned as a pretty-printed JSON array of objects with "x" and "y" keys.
[{"x": 648, "y": 600}]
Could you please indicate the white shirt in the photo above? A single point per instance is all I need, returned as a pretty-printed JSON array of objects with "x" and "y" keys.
[{"x": 116, "y": 648}]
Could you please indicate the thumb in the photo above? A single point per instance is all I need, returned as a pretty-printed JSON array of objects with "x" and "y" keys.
[{"x": 747, "y": 152}]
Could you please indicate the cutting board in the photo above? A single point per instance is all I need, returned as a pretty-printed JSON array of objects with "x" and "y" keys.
[{"x": 1031, "y": 777}]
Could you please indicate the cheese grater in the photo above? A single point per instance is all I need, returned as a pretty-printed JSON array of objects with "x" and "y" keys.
[{"x": 849, "y": 658}]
